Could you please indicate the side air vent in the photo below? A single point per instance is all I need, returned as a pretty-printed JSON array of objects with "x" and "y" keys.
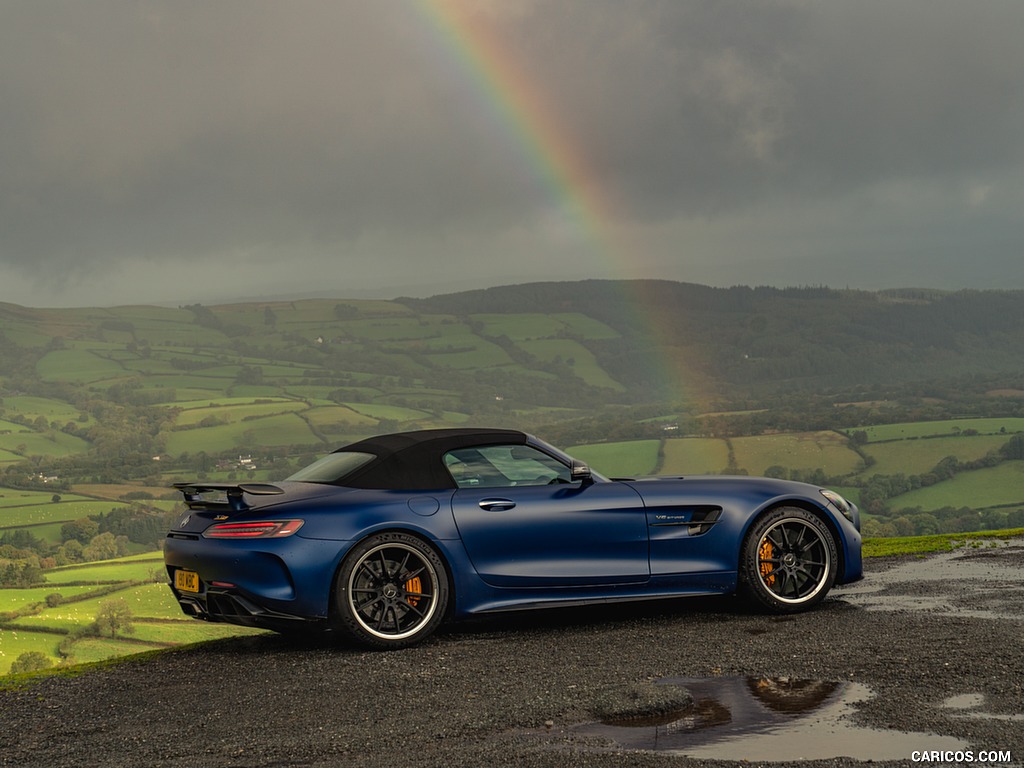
[{"x": 703, "y": 520}]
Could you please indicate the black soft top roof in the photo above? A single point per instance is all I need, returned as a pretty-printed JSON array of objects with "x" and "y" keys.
[{"x": 413, "y": 460}]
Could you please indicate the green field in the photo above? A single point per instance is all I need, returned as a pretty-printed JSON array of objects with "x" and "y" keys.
[
  {"x": 520, "y": 327},
  {"x": 580, "y": 359},
  {"x": 140, "y": 568},
  {"x": 919, "y": 429},
  {"x": 13, "y": 643},
  {"x": 62, "y": 511},
  {"x": 146, "y": 601},
  {"x": 624, "y": 459},
  {"x": 33, "y": 407},
  {"x": 807, "y": 450},
  {"x": 12, "y": 599},
  {"x": 50, "y": 444},
  {"x": 79, "y": 365},
  {"x": 6, "y": 457},
  {"x": 232, "y": 414},
  {"x": 471, "y": 352},
  {"x": 14, "y": 497},
  {"x": 182, "y": 629},
  {"x": 695, "y": 456},
  {"x": 1002, "y": 485},
  {"x": 393, "y": 412},
  {"x": 915, "y": 457},
  {"x": 334, "y": 419},
  {"x": 286, "y": 429}
]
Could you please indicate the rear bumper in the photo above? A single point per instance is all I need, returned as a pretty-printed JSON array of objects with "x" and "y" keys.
[
  {"x": 231, "y": 607},
  {"x": 261, "y": 582}
]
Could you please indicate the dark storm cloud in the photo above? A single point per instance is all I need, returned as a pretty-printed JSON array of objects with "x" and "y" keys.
[{"x": 249, "y": 133}]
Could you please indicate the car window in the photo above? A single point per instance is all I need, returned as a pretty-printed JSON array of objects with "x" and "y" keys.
[
  {"x": 333, "y": 467},
  {"x": 504, "y": 466}
]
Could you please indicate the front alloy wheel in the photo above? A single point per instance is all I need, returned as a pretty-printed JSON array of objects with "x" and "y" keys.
[
  {"x": 789, "y": 560},
  {"x": 392, "y": 591}
]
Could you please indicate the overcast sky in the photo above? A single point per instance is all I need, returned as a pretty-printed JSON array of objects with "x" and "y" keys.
[{"x": 187, "y": 151}]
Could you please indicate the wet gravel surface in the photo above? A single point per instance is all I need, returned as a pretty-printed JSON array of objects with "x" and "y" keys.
[{"x": 514, "y": 690}]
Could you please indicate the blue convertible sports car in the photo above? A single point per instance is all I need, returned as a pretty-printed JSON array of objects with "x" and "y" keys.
[{"x": 387, "y": 538}]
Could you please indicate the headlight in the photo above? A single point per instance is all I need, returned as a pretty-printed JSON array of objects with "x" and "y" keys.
[{"x": 839, "y": 503}]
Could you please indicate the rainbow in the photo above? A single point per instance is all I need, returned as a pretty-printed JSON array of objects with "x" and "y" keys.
[
  {"x": 524, "y": 108},
  {"x": 521, "y": 104}
]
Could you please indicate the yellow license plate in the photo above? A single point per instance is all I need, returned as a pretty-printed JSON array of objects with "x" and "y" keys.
[{"x": 186, "y": 581}]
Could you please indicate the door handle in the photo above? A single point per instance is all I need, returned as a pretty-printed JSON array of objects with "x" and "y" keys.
[{"x": 496, "y": 505}]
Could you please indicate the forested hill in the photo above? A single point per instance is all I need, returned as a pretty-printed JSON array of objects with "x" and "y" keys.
[{"x": 759, "y": 340}]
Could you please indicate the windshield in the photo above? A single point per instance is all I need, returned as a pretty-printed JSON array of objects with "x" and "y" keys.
[{"x": 333, "y": 467}]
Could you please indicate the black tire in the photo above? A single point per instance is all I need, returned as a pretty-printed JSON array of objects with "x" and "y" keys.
[
  {"x": 789, "y": 561},
  {"x": 391, "y": 591}
]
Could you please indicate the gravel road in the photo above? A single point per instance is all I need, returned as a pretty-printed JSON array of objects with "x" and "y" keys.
[{"x": 936, "y": 642}]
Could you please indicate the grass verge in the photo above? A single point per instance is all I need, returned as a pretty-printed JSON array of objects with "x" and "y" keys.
[{"x": 943, "y": 542}]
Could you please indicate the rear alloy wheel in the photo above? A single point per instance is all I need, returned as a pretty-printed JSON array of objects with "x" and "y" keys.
[
  {"x": 788, "y": 560},
  {"x": 392, "y": 591}
]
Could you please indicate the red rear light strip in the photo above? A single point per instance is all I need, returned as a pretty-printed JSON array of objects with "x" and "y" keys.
[{"x": 264, "y": 529}]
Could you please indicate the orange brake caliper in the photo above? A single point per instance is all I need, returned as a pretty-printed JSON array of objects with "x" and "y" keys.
[
  {"x": 414, "y": 585},
  {"x": 764, "y": 554}
]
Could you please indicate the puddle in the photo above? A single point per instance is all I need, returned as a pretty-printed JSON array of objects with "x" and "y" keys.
[
  {"x": 967, "y": 582},
  {"x": 968, "y": 706},
  {"x": 765, "y": 719}
]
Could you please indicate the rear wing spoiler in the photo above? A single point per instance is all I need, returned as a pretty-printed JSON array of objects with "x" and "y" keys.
[{"x": 227, "y": 494}]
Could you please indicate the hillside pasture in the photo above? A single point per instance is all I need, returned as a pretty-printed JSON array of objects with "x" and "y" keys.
[
  {"x": 520, "y": 327},
  {"x": 52, "y": 444},
  {"x": 14, "y": 642},
  {"x": 107, "y": 572},
  {"x": 534, "y": 325},
  {"x": 44, "y": 521},
  {"x": 285, "y": 429},
  {"x": 695, "y": 456},
  {"x": 34, "y": 407},
  {"x": 183, "y": 629},
  {"x": 580, "y": 359},
  {"x": 12, "y": 599},
  {"x": 77, "y": 365},
  {"x": 915, "y": 457},
  {"x": 919, "y": 429},
  {"x": 192, "y": 386},
  {"x": 999, "y": 486},
  {"x": 460, "y": 350},
  {"x": 118, "y": 492},
  {"x": 825, "y": 450},
  {"x": 630, "y": 458},
  {"x": 585, "y": 326},
  {"x": 26, "y": 336},
  {"x": 92, "y": 649},
  {"x": 231, "y": 414},
  {"x": 393, "y": 412},
  {"x": 7, "y": 457},
  {"x": 337, "y": 418},
  {"x": 16, "y": 497},
  {"x": 392, "y": 329},
  {"x": 149, "y": 366}
]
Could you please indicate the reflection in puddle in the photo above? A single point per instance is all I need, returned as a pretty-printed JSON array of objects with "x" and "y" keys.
[{"x": 768, "y": 719}]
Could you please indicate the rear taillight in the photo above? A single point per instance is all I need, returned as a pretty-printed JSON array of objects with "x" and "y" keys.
[{"x": 260, "y": 529}]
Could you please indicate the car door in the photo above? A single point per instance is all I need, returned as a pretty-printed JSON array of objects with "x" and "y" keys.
[{"x": 524, "y": 523}]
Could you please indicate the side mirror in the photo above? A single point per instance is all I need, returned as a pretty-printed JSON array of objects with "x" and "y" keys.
[{"x": 580, "y": 472}]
